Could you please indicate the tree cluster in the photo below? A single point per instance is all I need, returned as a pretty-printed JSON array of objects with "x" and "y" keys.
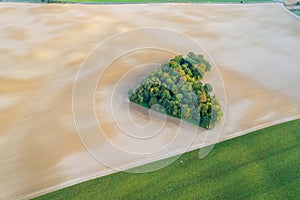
[{"x": 180, "y": 90}]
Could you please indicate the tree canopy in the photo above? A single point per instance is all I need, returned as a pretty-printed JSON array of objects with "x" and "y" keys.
[{"x": 179, "y": 88}]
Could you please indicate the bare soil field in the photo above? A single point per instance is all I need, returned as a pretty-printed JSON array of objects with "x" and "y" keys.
[{"x": 255, "y": 48}]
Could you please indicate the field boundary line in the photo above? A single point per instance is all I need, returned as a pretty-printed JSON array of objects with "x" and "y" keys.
[
  {"x": 294, "y": 15},
  {"x": 99, "y": 174}
]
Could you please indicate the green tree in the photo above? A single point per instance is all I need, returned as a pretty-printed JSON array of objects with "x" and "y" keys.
[
  {"x": 208, "y": 88},
  {"x": 177, "y": 87},
  {"x": 152, "y": 101}
]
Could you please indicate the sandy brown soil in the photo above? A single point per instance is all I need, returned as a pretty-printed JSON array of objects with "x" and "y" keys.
[{"x": 255, "y": 47}]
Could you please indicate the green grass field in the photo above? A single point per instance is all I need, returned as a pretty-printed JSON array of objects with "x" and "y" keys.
[
  {"x": 264, "y": 164},
  {"x": 297, "y": 12}
]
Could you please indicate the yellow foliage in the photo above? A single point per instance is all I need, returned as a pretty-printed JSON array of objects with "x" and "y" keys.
[
  {"x": 182, "y": 72},
  {"x": 202, "y": 98},
  {"x": 188, "y": 77},
  {"x": 178, "y": 69},
  {"x": 187, "y": 114}
]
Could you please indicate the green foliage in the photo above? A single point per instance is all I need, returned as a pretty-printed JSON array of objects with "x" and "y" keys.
[
  {"x": 208, "y": 87},
  {"x": 178, "y": 87}
]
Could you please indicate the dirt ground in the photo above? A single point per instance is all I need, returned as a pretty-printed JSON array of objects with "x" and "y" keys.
[{"x": 255, "y": 47}]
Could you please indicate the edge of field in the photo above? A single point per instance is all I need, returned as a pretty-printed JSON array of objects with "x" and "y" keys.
[{"x": 139, "y": 163}]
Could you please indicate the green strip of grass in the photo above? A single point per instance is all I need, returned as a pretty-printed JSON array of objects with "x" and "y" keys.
[
  {"x": 264, "y": 164},
  {"x": 297, "y": 12}
]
